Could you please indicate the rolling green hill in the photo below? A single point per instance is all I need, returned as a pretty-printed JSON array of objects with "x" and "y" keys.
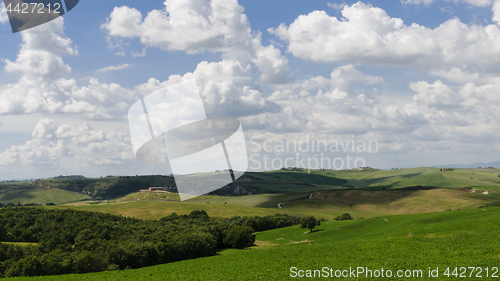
[
  {"x": 399, "y": 242},
  {"x": 282, "y": 182},
  {"x": 99, "y": 189},
  {"x": 41, "y": 196},
  {"x": 363, "y": 193},
  {"x": 322, "y": 204}
]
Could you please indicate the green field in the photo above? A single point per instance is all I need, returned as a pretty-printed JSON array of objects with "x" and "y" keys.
[
  {"x": 397, "y": 242},
  {"x": 41, "y": 196},
  {"x": 21, "y": 243}
]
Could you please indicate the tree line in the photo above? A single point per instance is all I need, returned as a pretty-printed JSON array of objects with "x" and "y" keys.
[
  {"x": 26, "y": 204},
  {"x": 69, "y": 241}
]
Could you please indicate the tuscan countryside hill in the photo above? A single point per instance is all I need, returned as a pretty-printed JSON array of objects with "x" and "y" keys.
[{"x": 363, "y": 192}]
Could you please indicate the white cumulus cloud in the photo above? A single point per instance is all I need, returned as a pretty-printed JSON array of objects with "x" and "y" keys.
[
  {"x": 65, "y": 147},
  {"x": 367, "y": 34},
  {"x": 198, "y": 26},
  {"x": 226, "y": 87},
  {"x": 42, "y": 87}
]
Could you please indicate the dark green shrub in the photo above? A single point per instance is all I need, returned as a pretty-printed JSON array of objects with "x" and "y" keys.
[
  {"x": 239, "y": 237},
  {"x": 28, "y": 266},
  {"x": 343, "y": 217}
]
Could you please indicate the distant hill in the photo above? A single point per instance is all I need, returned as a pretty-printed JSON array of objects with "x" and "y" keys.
[
  {"x": 495, "y": 164},
  {"x": 280, "y": 181},
  {"x": 41, "y": 196},
  {"x": 102, "y": 188}
]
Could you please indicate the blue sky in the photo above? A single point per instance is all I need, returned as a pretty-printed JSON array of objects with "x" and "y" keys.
[{"x": 418, "y": 76}]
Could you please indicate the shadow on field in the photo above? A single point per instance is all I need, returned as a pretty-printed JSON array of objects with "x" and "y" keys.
[
  {"x": 286, "y": 182},
  {"x": 366, "y": 182},
  {"x": 342, "y": 197},
  {"x": 346, "y": 199},
  {"x": 16, "y": 196},
  {"x": 317, "y": 230},
  {"x": 298, "y": 178}
]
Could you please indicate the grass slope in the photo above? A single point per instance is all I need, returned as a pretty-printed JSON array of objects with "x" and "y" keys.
[
  {"x": 399, "y": 242},
  {"x": 309, "y": 181},
  {"x": 154, "y": 210},
  {"x": 399, "y": 201},
  {"x": 40, "y": 196},
  {"x": 425, "y": 176}
]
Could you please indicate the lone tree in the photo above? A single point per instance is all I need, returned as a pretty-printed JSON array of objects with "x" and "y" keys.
[
  {"x": 198, "y": 214},
  {"x": 309, "y": 223}
]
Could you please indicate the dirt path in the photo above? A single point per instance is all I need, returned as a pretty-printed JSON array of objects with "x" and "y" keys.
[{"x": 448, "y": 180}]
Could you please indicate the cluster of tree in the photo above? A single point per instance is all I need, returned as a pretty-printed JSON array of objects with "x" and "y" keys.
[
  {"x": 70, "y": 177},
  {"x": 235, "y": 232},
  {"x": 30, "y": 204},
  {"x": 19, "y": 204},
  {"x": 271, "y": 221},
  {"x": 292, "y": 169},
  {"x": 18, "y": 180},
  {"x": 17, "y": 186},
  {"x": 343, "y": 217},
  {"x": 69, "y": 241}
]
